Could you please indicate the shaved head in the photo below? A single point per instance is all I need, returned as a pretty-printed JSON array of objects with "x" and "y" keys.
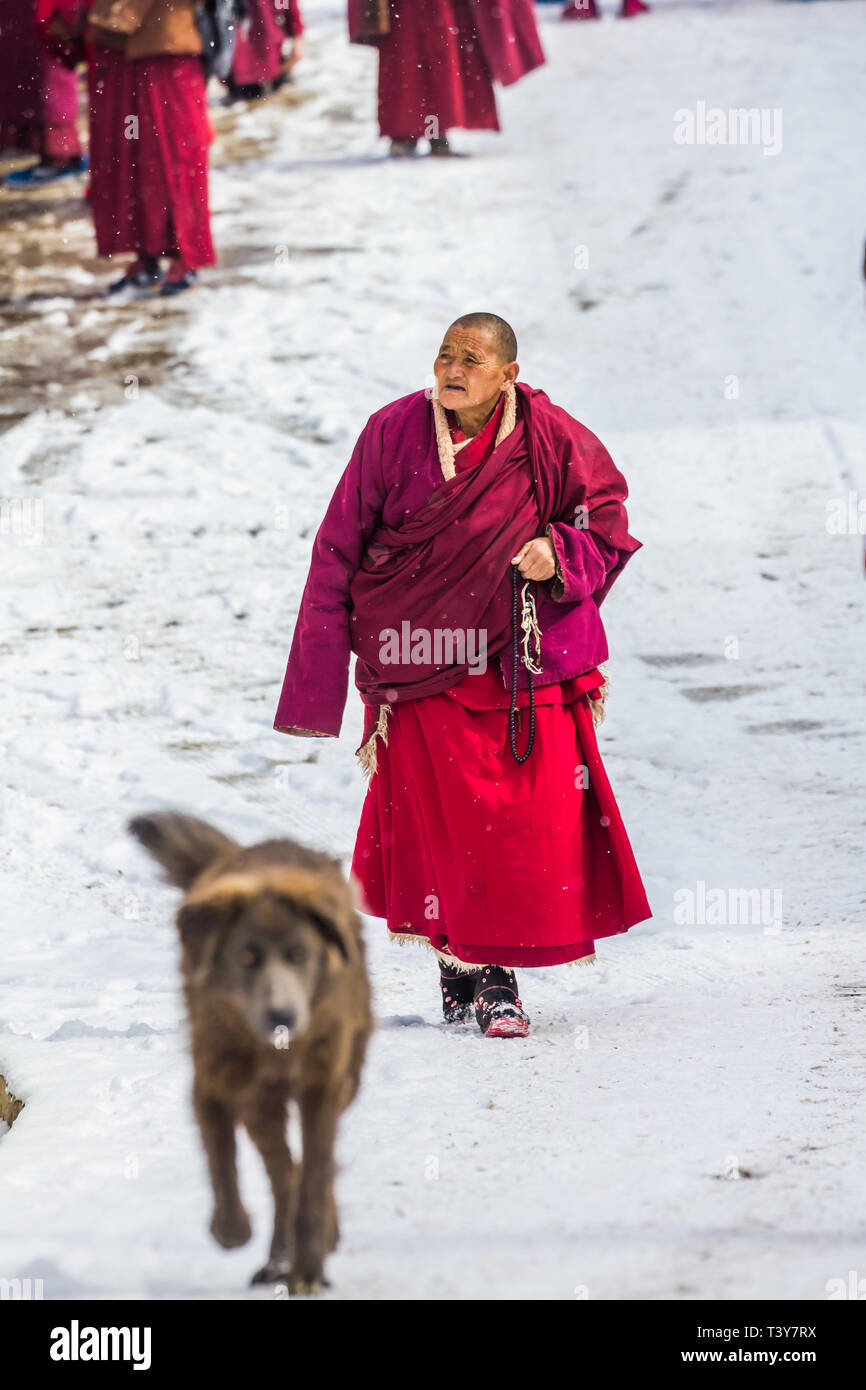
[
  {"x": 502, "y": 333},
  {"x": 475, "y": 364}
]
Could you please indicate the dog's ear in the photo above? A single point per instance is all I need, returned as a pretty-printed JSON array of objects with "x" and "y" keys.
[
  {"x": 325, "y": 912},
  {"x": 198, "y": 922},
  {"x": 328, "y": 928},
  {"x": 183, "y": 845}
]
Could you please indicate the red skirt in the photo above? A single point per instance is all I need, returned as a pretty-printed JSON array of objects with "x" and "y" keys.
[
  {"x": 492, "y": 861},
  {"x": 149, "y": 136},
  {"x": 432, "y": 69},
  {"x": 258, "y": 49},
  {"x": 38, "y": 96}
]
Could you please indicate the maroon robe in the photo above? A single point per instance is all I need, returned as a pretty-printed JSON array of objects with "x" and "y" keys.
[
  {"x": 259, "y": 46},
  {"x": 38, "y": 96},
  {"x": 392, "y": 509},
  {"x": 150, "y": 194},
  {"x": 439, "y": 60}
]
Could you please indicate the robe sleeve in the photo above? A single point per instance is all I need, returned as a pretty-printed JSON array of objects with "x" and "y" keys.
[
  {"x": 317, "y": 675},
  {"x": 583, "y": 562},
  {"x": 589, "y": 527}
]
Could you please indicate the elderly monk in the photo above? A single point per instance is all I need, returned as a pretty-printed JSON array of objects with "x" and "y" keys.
[
  {"x": 463, "y": 558},
  {"x": 438, "y": 62}
]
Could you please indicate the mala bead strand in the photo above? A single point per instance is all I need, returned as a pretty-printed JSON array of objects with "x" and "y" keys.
[{"x": 529, "y": 624}]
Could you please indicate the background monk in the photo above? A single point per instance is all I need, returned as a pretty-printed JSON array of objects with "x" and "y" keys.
[
  {"x": 149, "y": 136},
  {"x": 438, "y": 62},
  {"x": 588, "y": 9},
  {"x": 38, "y": 98},
  {"x": 259, "y": 65},
  {"x": 489, "y": 833}
]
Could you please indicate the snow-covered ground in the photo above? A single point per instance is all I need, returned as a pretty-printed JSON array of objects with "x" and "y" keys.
[{"x": 156, "y": 534}]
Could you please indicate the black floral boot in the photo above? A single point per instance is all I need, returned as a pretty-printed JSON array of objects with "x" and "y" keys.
[
  {"x": 498, "y": 1010},
  {"x": 458, "y": 989}
]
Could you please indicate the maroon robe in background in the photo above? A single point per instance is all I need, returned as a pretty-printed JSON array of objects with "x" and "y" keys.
[
  {"x": 509, "y": 38},
  {"x": 258, "y": 48},
  {"x": 150, "y": 194},
  {"x": 439, "y": 60},
  {"x": 38, "y": 96},
  {"x": 433, "y": 75}
]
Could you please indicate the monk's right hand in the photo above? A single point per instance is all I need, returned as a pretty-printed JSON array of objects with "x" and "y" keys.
[{"x": 536, "y": 559}]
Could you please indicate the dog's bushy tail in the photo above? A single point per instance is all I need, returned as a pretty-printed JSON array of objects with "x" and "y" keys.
[{"x": 183, "y": 845}]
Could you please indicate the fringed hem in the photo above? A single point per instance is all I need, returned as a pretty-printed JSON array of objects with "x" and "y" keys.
[
  {"x": 467, "y": 967},
  {"x": 597, "y": 707},
  {"x": 366, "y": 754},
  {"x": 412, "y": 938},
  {"x": 301, "y": 733}
]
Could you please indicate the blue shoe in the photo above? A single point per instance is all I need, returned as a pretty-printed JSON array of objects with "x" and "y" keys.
[
  {"x": 38, "y": 175},
  {"x": 143, "y": 274},
  {"x": 178, "y": 285}
]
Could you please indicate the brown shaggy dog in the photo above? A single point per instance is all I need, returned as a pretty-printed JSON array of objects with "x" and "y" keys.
[{"x": 279, "y": 1008}]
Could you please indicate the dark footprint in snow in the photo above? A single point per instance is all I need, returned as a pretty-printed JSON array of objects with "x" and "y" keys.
[
  {"x": 678, "y": 659},
  {"x": 704, "y": 694},
  {"x": 403, "y": 1021},
  {"x": 735, "y": 1174},
  {"x": 785, "y": 726},
  {"x": 673, "y": 190}
]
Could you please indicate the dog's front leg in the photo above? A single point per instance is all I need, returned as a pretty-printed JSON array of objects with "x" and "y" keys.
[
  {"x": 265, "y": 1120},
  {"x": 230, "y": 1225},
  {"x": 314, "y": 1233}
]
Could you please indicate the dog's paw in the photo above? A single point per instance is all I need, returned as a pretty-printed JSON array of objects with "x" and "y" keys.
[
  {"x": 274, "y": 1272},
  {"x": 305, "y": 1284},
  {"x": 231, "y": 1228}
]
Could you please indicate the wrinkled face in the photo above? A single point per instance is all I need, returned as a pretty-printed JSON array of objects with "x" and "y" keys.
[
  {"x": 264, "y": 956},
  {"x": 468, "y": 370}
]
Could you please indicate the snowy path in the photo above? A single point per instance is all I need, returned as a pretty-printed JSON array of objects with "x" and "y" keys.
[{"x": 147, "y": 630}]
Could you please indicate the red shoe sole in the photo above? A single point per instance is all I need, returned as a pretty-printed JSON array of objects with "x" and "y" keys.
[{"x": 508, "y": 1028}]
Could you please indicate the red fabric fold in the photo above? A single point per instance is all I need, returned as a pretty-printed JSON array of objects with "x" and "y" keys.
[
  {"x": 393, "y": 475},
  {"x": 498, "y": 863},
  {"x": 509, "y": 38},
  {"x": 150, "y": 193},
  {"x": 448, "y": 568},
  {"x": 258, "y": 56},
  {"x": 433, "y": 75},
  {"x": 481, "y": 446},
  {"x": 444, "y": 571},
  {"x": 38, "y": 95}
]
